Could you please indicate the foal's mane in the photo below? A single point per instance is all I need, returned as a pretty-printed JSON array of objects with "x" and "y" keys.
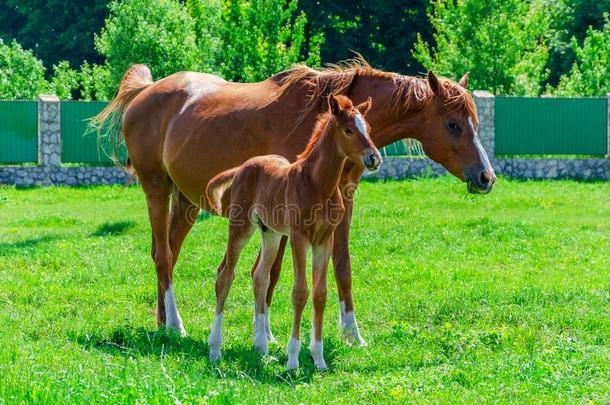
[
  {"x": 319, "y": 129},
  {"x": 409, "y": 93}
]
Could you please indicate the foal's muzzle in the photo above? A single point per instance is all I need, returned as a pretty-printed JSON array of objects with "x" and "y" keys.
[{"x": 372, "y": 159}]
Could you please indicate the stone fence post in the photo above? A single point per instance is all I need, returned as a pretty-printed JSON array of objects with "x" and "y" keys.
[
  {"x": 49, "y": 132},
  {"x": 486, "y": 105}
]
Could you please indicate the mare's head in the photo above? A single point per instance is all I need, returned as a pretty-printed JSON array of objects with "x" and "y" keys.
[
  {"x": 352, "y": 132},
  {"x": 450, "y": 133}
]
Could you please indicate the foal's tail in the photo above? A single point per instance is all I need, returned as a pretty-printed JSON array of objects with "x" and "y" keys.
[
  {"x": 135, "y": 79},
  {"x": 217, "y": 187}
]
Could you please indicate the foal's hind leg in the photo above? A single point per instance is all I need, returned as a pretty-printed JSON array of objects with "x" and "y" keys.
[
  {"x": 238, "y": 237},
  {"x": 157, "y": 189},
  {"x": 260, "y": 283}
]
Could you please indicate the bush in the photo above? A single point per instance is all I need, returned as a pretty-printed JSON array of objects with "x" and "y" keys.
[
  {"x": 21, "y": 73},
  {"x": 501, "y": 43},
  {"x": 159, "y": 33},
  {"x": 590, "y": 73},
  {"x": 261, "y": 37}
]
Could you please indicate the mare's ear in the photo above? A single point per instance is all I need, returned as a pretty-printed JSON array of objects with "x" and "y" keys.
[
  {"x": 333, "y": 104},
  {"x": 435, "y": 85},
  {"x": 464, "y": 81},
  {"x": 365, "y": 107}
]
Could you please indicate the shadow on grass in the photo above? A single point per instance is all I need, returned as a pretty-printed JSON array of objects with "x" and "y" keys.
[
  {"x": 113, "y": 228},
  {"x": 237, "y": 361},
  {"x": 12, "y": 248}
]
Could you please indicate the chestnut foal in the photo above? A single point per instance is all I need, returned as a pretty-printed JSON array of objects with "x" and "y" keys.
[{"x": 300, "y": 200}]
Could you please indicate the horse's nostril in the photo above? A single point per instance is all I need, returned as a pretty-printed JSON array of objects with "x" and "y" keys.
[{"x": 484, "y": 179}]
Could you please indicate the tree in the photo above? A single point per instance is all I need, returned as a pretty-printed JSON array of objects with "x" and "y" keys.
[
  {"x": 54, "y": 29},
  {"x": 590, "y": 73},
  {"x": 261, "y": 37},
  {"x": 159, "y": 33},
  {"x": 571, "y": 19},
  {"x": 21, "y": 73},
  {"x": 383, "y": 31},
  {"x": 502, "y": 43}
]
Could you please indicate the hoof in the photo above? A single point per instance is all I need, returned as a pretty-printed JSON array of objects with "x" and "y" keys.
[
  {"x": 177, "y": 328},
  {"x": 292, "y": 365},
  {"x": 262, "y": 348},
  {"x": 351, "y": 337},
  {"x": 215, "y": 355}
]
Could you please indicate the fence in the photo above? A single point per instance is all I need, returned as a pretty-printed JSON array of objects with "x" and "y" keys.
[
  {"x": 551, "y": 126},
  {"x": 52, "y": 133},
  {"x": 18, "y": 132}
]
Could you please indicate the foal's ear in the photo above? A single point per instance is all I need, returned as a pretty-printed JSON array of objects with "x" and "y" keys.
[
  {"x": 464, "y": 81},
  {"x": 435, "y": 85},
  {"x": 333, "y": 104},
  {"x": 365, "y": 107}
]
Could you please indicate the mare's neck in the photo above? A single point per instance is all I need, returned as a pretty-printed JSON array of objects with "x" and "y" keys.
[
  {"x": 388, "y": 125},
  {"x": 325, "y": 162}
]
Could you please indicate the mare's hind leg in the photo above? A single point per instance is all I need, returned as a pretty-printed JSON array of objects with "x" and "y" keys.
[
  {"x": 183, "y": 216},
  {"x": 157, "y": 189},
  {"x": 238, "y": 237},
  {"x": 260, "y": 283}
]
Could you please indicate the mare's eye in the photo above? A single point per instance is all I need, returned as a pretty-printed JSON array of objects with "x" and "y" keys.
[
  {"x": 453, "y": 127},
  {"x": 347, "y": 131}
]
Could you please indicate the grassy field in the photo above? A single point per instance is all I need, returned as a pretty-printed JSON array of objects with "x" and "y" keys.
[{"x": 501, "y": 298}]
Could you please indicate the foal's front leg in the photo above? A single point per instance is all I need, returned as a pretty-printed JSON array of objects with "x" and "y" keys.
[
  {"x": 299, "y": 296},
  {"x": 321, "y": 256},
  {"x": 260, "y": 283}
]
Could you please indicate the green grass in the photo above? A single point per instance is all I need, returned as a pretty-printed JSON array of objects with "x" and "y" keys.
[{"x": 501, "y": 298}]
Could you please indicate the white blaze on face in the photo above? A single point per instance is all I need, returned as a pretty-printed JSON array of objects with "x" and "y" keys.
[
  {"x": 361, "y": 125},
  {"x": 477, "y": 144}
]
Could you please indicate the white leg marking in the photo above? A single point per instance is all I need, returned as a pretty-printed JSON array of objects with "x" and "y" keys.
[
  {"x": 270, "y": 336},
  {"x": 349, "y": 327},
  {"x": 260, "y": 334},
  {"x": 316, "y": 348},
  {"x": 215, "y": 339},
  {"x": 172, "y": 317},
  {"x": 293, "y": 349}
]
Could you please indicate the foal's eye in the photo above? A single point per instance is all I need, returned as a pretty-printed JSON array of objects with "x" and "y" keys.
[
  {"x": 453, "y": 127},
  {"x": 347, "y": 131}
]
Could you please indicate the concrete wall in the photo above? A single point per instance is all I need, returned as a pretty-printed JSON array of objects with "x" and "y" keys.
[{"x": 50, "y": 171}]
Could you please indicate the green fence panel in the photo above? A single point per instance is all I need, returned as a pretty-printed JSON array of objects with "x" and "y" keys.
[
  {"x": 78, "y": 143},
  {"x": 18, "y": 132},
  {"x": 552, "y": 126}
]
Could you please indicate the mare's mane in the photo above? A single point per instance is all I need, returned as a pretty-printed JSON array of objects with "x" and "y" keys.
[{"x": 409, "y": 93}]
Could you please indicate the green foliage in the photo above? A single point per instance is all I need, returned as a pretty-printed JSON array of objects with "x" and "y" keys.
[
  {"x": 571, "y": 19},
  {"x": 261, "y": 37},
  {"x": 207, "y": 17},
  {"x": 383, "y": 31},
  {"x": 497, "y": 299},
  {"x": 54, "y": 29},
  {"x": 64, "y": 81},
  {"x": 21, "y": 73},
  {"x": 159, "y": 33},
  {"x": 502, "y": 43},
  {"x": 590, "y": 73}
]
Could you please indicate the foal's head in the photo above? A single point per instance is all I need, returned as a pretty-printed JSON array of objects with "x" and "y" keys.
[{"x": 352, "y": 131}]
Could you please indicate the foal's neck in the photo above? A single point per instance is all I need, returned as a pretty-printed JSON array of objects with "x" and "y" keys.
[{"x": 324, "y": 164}]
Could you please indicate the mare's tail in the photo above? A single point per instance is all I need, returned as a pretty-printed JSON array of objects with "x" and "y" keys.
[
  {"x": 135, "y": 79},
  {"x": 217, "y": 187}
]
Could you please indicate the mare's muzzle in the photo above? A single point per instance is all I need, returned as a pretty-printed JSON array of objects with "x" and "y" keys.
[{"x": 479, "y": 179}]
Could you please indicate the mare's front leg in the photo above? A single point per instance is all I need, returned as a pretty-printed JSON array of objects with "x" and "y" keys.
[
  {"x": 320, "y": 257},
  {"x": 239, "y": 234},
  {"x": 260, "y": 283},
  {"x": 341, "y": 259},
  {"x": 300, "y": 245}
]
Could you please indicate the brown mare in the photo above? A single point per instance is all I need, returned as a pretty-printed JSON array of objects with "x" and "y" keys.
[
  {"x": 300, "y": 200},
  {"x": 183, "y": 130}
]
